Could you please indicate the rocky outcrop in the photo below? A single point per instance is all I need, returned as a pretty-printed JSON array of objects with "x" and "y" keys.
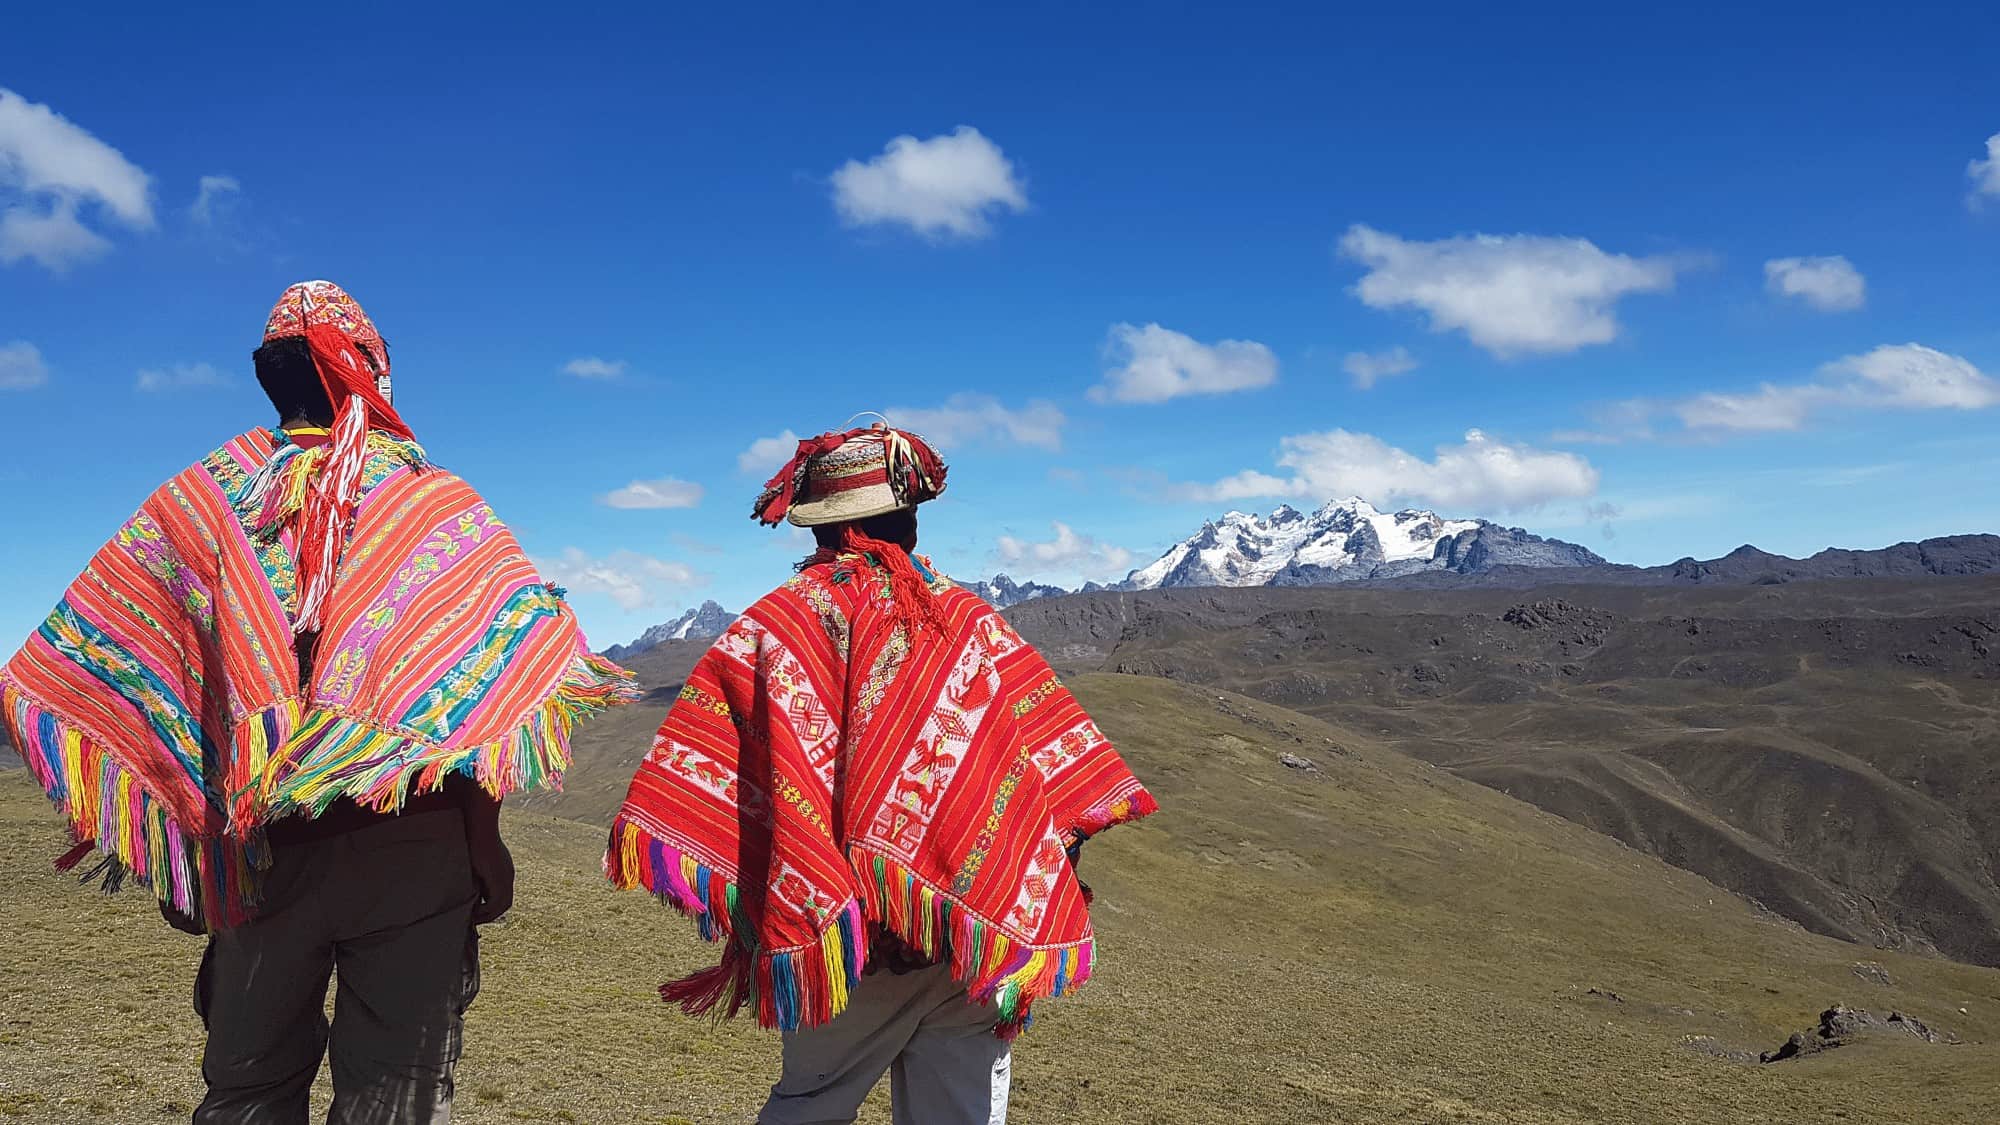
[{"x": 1841, "y": 1025}]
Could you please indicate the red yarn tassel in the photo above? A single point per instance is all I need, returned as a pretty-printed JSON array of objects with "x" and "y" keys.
[
  {"x": 788, "y": 484},
  {"x": 74, "y": 856},
  {"x": 701, "y": 992},
  {"x": 914, "y": 605},
  {"x": 330, "y": 500}
]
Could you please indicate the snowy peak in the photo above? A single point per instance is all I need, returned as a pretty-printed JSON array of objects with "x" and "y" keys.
[
  {"x": 706, "y": 620},
  {"x": 1002, "y": 592},
  {"x": 1348, "y": 537}
]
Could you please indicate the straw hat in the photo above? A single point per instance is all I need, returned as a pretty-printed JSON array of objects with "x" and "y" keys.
[{"x": 837, "y": 477}]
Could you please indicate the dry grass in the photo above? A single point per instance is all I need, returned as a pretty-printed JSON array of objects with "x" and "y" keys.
[{"x": 1378, "y": 941}]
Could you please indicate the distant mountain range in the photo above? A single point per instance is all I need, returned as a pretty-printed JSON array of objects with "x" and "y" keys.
[
  {"x": 1343, "y": 541},
  {"x": 1350, "y": 541}
]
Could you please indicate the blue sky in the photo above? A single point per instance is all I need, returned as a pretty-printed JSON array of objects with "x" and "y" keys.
[{"x": 1693, "y": 280}]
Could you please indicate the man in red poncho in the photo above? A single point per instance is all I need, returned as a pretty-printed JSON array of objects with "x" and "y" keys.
[{"x": 872, "y": 791}]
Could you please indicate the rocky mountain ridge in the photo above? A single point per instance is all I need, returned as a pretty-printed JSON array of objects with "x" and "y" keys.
[{"x": 708, "y": 619}]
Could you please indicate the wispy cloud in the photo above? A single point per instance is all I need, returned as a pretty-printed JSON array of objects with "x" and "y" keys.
[
  {"x": 592, "y": 367},
  {"x": 51, "y": 172},
  {"x": 1829, "y": 284},
  {"x": 666, "y": 492},
  {"x": 1066, "y": 552},
  {"x": 947, "y": 186},
  {"x": 1154, "y": 364},
  {"x": 1890, "y": 377},
  {"x": 1480, "y": 474},
  {"x": 181, "y": 377},
  {"x": 1985, "y": 173},
  {"x": 767, "y": 455},
  {"x": 631, "y": 579},
  {"x": 1370, "y": 368},
  {"x": 965, "y": 419},
  {"x": 214, "y": 191},
  {"x": 21, "y": 366},
  {"x": 1513, "y": 295}
]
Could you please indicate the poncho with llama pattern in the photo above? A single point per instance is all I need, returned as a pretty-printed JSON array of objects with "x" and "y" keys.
[{"x": 829, "y": 766}]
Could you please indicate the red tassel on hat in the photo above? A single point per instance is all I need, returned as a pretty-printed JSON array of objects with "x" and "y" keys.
[
  {"x": 787, "y": 485},
  {"x": 330, "y": 501}
]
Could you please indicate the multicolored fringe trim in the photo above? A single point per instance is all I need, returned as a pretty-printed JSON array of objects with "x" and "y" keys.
[
  {"x": 278, "y": 490},
  {"x": 807, "y": 985},
  {"x": 376, "y": 766},
  {"x": 213, "y": 875},
  {"x": 803, "y": 986},
  {"x": 1112, "y": 813},
  {"x": 211, "y": 878}
]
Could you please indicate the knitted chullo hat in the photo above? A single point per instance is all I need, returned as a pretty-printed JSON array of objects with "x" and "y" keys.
[
  {"x": 844, "y": 476},
  {"x": 353, "y": 365}
]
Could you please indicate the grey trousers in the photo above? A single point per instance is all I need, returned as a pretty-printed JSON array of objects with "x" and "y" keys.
[
  {"x": 946, "y": 1066},
  {"x": 390, "y": 907}
]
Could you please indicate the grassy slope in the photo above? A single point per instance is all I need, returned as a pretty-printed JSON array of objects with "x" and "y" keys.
[{"x": 1378, "y": 942}]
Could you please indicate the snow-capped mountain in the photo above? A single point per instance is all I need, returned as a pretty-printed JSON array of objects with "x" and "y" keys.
[
  {"x": 1342, "y": 540},
  {"x": 707, "y": 620},
  {"x": 1003, "y": 592}
]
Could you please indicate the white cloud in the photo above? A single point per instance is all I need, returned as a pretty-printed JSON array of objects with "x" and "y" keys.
[
  {"x": 1891, "y": 377},
  {"x": 767, "y": 455},
  {"x": 1369, "y": 368},
  {"x": 182, "y": 377},
  {"x": 628, "y": 578},
  {"x": 948, "y": 185},
  {"x": 1481, "y": 474},
  {"x": 1159, "y": 364},
  {"x": 213, "y": 189},
  {"x": 667, "y": 492},
  {"x": 21, "y": 366},
  {"x": 1986, "y": 173},
  {"x": 1829, "y": 284},
  {"x": 967, "y": 418},
  {"x": 1917, "y": 377},
  {"x": 49, "y": 170},
  {"x": 1068, "y": 552},
  {"x": 1512, "y": 295},
  {"x": 591, "y": 367},
  {"x": 1767, "y": 408}
]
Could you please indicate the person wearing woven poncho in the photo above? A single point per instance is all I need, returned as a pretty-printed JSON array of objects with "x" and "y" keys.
[
  {"x": 288, "y": 697},
  {"x": 871, "y": 791}
]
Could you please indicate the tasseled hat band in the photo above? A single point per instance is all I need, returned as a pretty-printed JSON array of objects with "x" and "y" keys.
[
  {"x": 850, "y": 475},
  {"x": 845, "y": 476}
]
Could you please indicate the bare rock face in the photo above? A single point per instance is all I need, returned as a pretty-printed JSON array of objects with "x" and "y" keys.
[
  {"x": 1872, "y": 972},
  {"x": 1841, "y": 1025}
]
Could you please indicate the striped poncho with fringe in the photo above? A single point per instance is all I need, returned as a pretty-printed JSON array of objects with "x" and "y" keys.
[
  {"x": 826, "y": 770},
  {"x": 161, "y": 703}
]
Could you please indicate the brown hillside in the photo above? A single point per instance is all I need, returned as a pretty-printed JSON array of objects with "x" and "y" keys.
[{"x": 1831, "y": 750}]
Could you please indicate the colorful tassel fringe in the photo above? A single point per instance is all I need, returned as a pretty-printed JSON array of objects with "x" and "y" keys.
[
  {"x": 212, "y": 874},
  {"x": 209, "y": 877},
  {"x": 332, "y": 755},
  {"x": 807, "y": 985}
]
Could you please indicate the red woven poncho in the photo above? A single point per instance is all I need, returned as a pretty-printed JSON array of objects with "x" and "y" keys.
[{"x": 828, "y": 766}]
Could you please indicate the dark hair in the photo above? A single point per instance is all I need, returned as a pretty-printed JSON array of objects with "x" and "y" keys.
[
  {"x": 286, "y": 372},
  {"x": 899, "y": 527}
]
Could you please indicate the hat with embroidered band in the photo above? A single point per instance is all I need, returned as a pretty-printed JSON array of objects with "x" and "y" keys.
[{"x": 852, "y": 475}]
